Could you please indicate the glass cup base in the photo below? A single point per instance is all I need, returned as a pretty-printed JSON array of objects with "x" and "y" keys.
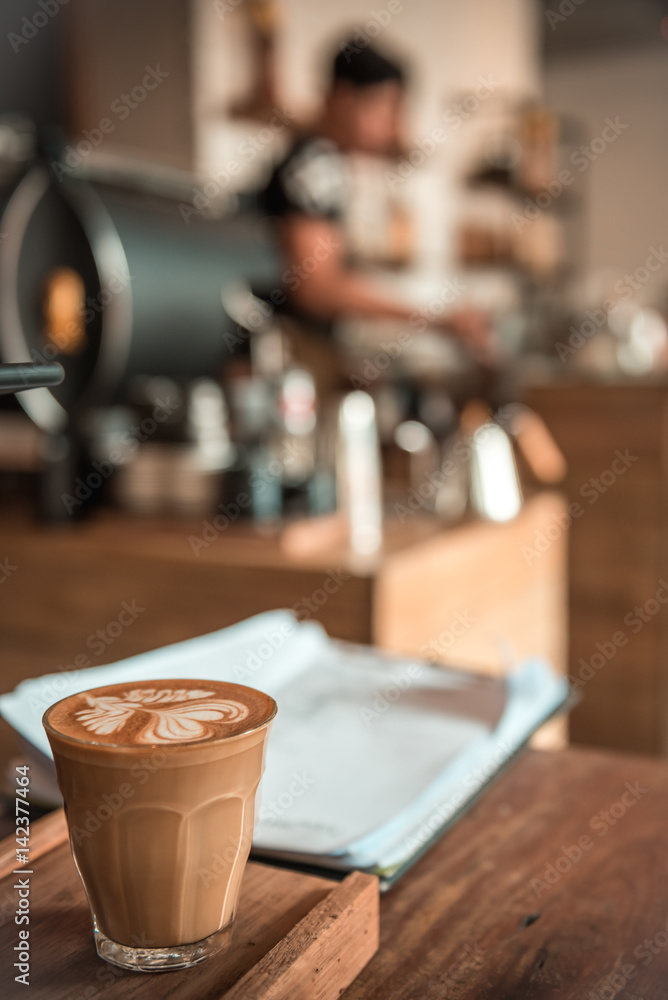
[{"x": 165, "y": 959}]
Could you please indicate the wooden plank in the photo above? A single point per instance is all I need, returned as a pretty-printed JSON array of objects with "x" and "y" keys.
[
  {"x": 334, "y": 941},
  {"x": 45, "y": 835}
]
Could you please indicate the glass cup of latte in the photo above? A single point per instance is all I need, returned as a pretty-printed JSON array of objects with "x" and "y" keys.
[{"x": 159, "y": 780}]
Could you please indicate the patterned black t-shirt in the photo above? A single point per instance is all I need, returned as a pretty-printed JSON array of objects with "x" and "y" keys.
[{"x": 310, "y": 180}]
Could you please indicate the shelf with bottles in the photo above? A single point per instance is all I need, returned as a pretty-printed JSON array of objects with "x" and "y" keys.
[{"x": 522, "y": 199}]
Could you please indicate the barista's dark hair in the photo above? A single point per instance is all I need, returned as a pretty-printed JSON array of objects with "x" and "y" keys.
[{"x": 361, "y": 65}]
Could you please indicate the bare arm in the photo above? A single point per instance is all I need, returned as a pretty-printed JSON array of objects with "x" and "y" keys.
[{"x": 323, "y": 285}]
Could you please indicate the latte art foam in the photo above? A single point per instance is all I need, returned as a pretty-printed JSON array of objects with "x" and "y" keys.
[
  {"x": 160, "y": 712},
  {"x": 184, "y": 719}
]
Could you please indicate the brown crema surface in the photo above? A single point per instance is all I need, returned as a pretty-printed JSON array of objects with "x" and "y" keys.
[{"x": 163, "y": 712}]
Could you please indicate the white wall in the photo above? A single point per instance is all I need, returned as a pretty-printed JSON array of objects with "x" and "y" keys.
[
  {"x": 448, "y": 44},
  {"x": 626, "y": 189}
]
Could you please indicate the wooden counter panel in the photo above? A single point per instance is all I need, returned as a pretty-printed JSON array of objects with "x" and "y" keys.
[
  {"x": 618, "y": 553},
  {"x": 60, "y": 596},
  {"x": 429, "y": 596},
  {"x": 71, "y": 583}
]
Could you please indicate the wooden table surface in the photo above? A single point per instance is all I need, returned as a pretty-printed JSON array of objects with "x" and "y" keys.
[
  {"x": 469, "y": 921},
  {"x": 555, "y": 885}
]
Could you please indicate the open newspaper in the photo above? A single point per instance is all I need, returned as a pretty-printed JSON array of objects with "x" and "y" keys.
[{"x": 370, "y": 757}]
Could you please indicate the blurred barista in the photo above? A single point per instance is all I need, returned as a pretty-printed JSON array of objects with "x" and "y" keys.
[{"x": 307, "y": 195}]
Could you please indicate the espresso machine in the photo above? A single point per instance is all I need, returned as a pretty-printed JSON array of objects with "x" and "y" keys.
[{"x": 106, "y": 277}]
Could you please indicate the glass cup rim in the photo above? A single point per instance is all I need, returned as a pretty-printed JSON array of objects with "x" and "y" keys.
[{"x": 184, "y": 744}]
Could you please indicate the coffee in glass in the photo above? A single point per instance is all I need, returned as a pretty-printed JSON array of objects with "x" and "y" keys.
[{"x": 159, "y": 779}]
